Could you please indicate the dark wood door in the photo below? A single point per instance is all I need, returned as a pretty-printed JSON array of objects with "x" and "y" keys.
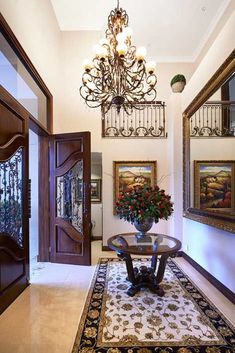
[
  {"x": 14, "y": 220},
  {"x": 70, "y": 221}
]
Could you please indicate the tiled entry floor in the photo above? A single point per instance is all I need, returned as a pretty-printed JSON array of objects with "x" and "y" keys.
[{"x": 45, "y": 317}]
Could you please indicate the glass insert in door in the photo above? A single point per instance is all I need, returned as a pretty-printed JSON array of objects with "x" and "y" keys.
[
  {"x": 11, "y": 197},
  {"x": 69, "y": 196}
]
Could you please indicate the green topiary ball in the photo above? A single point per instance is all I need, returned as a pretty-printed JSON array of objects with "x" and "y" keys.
[{"x": 178, "y": 78}]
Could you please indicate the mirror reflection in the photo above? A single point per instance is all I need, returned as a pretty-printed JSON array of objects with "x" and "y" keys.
[{"x": 212, "y": 152}]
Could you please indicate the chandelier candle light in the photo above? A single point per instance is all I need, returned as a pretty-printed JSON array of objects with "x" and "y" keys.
[{"x": 118, "y": 74}]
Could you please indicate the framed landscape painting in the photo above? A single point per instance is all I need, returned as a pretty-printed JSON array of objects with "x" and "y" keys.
[
  {"x": 95, "y": 190},
  {"x": 130, "y": 174},
  {"x": 214, "y": 187}
]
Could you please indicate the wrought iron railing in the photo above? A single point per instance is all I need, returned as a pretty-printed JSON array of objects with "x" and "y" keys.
[
  {"x": 147, "y": 121},
  {"x": 214, "y": 119}
]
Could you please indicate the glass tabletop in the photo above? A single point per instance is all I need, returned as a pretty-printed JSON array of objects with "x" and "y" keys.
[{"x": 151, "y": 244}]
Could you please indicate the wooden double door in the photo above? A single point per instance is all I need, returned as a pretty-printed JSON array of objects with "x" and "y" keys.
[{"x": 69, "y": 199}]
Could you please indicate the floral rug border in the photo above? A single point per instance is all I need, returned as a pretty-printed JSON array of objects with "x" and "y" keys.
[{"x": 97, "y": 291}]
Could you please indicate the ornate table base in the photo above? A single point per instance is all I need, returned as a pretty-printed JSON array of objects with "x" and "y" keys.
[{"x": 145, "y": 276}]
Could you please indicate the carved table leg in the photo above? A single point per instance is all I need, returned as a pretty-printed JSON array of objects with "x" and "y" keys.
[
  {"x": 144, "y": 276},
  {"x": 154, "y": 263},
  {"x": 129, "y": 266},
  {"x": 161, "y": 269}
]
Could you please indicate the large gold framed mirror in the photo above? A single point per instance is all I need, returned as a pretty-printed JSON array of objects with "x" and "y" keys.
[{"x": 209, "y": 151}]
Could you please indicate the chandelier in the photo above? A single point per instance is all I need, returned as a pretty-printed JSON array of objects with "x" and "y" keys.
[{"x": 118, "y": 75}]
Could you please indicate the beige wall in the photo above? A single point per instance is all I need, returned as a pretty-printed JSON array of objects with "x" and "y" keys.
[{"x": 175, "y": 130}]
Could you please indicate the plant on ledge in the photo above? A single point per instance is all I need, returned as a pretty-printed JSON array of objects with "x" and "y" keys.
[
  {"x": 141, "y": 203},
  {"x": 178, "y": 83}
]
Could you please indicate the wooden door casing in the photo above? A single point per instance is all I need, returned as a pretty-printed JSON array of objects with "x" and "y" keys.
[
  {"x": 14, "y": 258},
  {"x": 67, "y": 244}
]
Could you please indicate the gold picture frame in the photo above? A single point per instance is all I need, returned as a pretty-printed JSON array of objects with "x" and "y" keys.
[
  {"x": 131, "y": 173},
  {"x": 214, "y": 185}
]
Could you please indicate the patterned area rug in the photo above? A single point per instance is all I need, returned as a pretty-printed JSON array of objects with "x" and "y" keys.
[{"x": 182, "y": 321}]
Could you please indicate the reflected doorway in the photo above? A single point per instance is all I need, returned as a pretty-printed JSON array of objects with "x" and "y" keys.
[{"x": 96, "y": 196}]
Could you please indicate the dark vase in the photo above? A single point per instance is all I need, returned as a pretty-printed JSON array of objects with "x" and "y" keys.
[{"x": 143, "y": 227}]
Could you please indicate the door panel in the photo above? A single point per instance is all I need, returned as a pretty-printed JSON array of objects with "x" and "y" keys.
[
  {"x": 70, "y": 198},
  {"x": 14, "y": 231}
]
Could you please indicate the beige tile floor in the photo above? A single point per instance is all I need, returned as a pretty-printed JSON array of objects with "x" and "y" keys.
[{"x": 45, "y": 317}]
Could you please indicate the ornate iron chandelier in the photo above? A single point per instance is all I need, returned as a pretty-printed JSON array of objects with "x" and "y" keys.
[{"x": 118, "y": 74}]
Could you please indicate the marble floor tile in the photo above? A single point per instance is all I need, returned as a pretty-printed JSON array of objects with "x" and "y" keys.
[{"x": 45, "y": 317}]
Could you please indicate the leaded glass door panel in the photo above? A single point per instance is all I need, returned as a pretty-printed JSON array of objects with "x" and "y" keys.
[
  {"x": 14, "y": 231},
  {"x": 70, "y": 198}
]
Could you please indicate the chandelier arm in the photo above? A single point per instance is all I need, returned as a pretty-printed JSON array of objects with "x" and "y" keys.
[
  {"x": 86, "y": 92},
  {"x": 129, "y": 66},
  {"x": 134, "y": 87},
  {"x": 154, "y": 93},
  {"x": 131, "y": 77},
  {"x": 140, "y": 71},
  {"x": 130, "y": 56},
  {"x": 91, "y": 100}
]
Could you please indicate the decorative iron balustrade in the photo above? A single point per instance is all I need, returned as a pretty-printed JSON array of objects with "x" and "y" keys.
[
  {"x": 69, "y": 196},
  {"x": 214, "y": 119},
  {"x": 146, "y": 121}
]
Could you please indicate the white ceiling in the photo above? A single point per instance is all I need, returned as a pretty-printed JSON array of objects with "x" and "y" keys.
[{"x": 171, "y": 30}]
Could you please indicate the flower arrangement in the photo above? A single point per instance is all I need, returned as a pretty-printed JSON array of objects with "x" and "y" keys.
[{"x": 143, "y": 202}]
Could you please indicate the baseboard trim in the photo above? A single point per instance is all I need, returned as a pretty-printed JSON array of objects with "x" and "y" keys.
[
  {"x": 216, "y": 283},
  {"x": 96, "y": 238}
]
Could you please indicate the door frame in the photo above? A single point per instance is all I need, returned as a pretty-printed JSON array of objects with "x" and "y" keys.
[
  {"x": 10, "y": 37},
  {"x": 43, "y": 134},
  {"x": 43, "y": 193}
]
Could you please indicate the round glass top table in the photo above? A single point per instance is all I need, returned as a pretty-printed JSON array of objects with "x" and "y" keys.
[{"x": 153, "y": 244}]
